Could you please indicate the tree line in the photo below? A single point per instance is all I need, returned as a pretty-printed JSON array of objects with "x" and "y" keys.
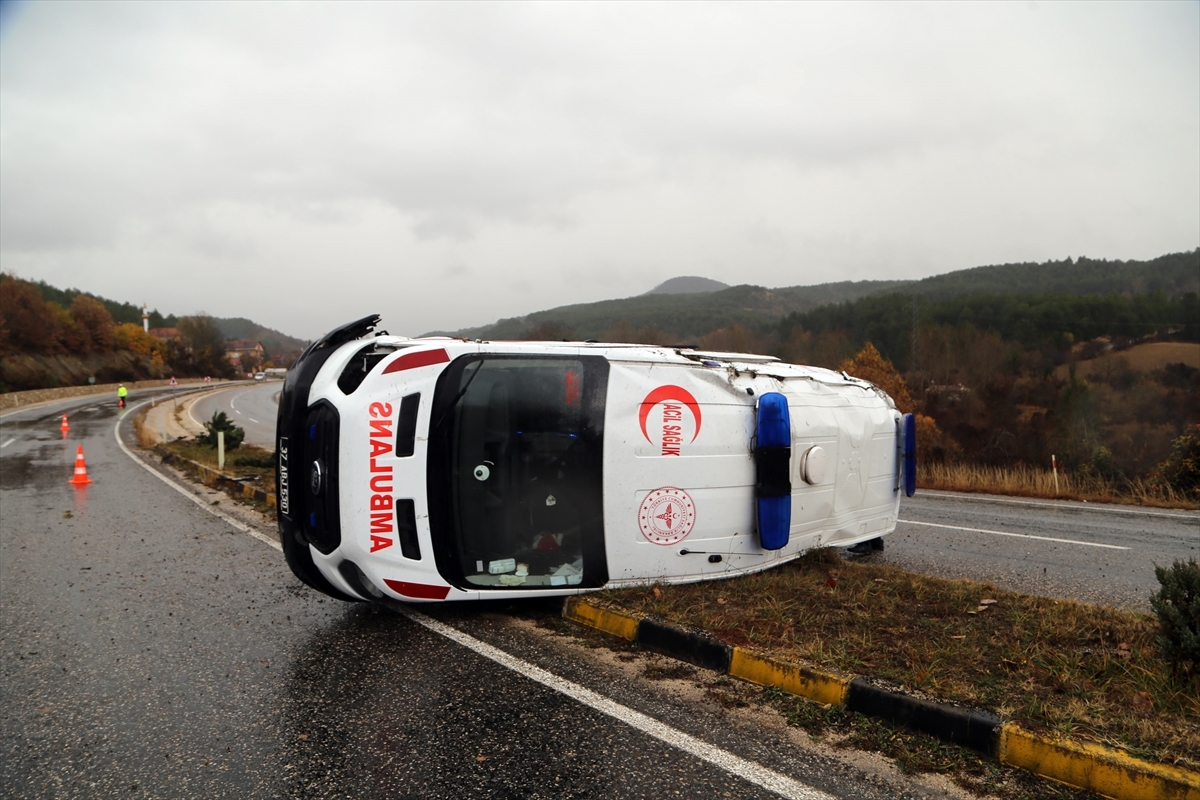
[
  {"x": 31, "y": 324},
  {"x": 989, "y": 374}
]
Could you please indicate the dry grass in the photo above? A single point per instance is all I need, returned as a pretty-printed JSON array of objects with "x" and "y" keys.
[
  {"x": 146, "y": 437},
  {"x": 1088, "y": 671},
  {"x": 251, "y": 465},
  {"x": 1142, "y": 357},
  {"x": 1029, "y": 482}
]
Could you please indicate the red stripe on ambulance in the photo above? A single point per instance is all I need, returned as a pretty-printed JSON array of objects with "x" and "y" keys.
[
  {"x": 383, "y": 523},
  {"x": 421, "y": 358}
]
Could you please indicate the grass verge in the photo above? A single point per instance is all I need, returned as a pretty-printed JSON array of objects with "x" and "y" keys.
[
  {"x": 250, "y": 465},
  {"x": 1054, "y": 665},
  {"x": 1029, "y": 482}
]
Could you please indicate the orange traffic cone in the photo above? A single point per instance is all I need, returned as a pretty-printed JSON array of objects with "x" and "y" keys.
[
  {"x": 81, "y": 477},
  {"x": 65, "y": 426}
]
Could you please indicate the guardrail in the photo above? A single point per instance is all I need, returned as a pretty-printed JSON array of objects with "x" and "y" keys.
[{"x": 34, "y": 396}]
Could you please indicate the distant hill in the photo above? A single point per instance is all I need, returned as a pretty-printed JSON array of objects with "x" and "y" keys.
[
  {"x": 686, "y": 317},
  {"x": 688, "y": 284},
  {"x": 1173, "y": 274},
  {"x": 274, "y": 342},
  {"x": 680, "y": 317}
]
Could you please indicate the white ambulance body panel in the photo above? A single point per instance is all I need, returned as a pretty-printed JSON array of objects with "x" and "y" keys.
[
  {"x": 678, "y": 468},
  {"x": 712, "y": 463}
]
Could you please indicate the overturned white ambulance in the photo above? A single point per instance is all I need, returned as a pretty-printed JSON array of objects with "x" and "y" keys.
[{"x": 443, "y": 469}]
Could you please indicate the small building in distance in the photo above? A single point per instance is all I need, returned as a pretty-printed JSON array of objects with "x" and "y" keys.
[
  {"x": 238, "y": 350},
  {"x": 165, "y": 334}
]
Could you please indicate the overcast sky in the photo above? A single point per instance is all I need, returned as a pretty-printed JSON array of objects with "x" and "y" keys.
[{"x": 446, "y": 165}]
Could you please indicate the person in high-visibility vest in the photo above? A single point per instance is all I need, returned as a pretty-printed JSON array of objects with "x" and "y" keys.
[{"x": 121, "y": 393}]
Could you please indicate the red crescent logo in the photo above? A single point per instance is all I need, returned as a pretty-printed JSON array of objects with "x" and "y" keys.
[{"x": 663, "y": 394}]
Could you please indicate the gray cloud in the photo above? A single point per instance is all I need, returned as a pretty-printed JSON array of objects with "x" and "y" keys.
[{"x": 314, "y": 155}]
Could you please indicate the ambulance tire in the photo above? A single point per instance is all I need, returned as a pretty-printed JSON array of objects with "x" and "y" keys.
[{"x": 299, "y": 558}]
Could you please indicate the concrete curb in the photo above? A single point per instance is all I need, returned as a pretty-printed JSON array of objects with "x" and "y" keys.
[
  {"x": 214, "y": 477},
  {"x": 1103, "y": 770}
]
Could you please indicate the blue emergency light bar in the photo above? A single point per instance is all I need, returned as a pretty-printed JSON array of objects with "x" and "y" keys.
[
  {"x": 772, "y": 463},
  {"x": 909, "y": 454}
]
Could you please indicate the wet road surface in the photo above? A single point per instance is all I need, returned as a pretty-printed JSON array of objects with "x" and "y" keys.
[
  {"x": 1095, "y": 553},
  {"x": 151, "y": 649},
  {"x": 252, "y": 407}
]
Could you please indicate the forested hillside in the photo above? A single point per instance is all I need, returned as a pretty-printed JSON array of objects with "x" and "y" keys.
[
  {"x": 993, "y": 372},
  {"x": 120, "y": 312},
  {"x": 230, "y": 327},
  {"x": 984, "y": 355},
  {"x": 1174, "y": 274},
  {"x": 53, "y": 337},
  {"x": 676, "y": 318},
  {"x": 278, "y": 345}
]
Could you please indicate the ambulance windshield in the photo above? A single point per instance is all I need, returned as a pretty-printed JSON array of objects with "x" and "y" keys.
[{"x": 515, "y": 468}]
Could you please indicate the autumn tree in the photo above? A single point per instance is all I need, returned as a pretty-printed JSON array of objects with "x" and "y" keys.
[
  {"x": 869, "y": 365},
  {"x": 71, "y": 337},
  {"x": 131, "y": 337},
  {"x": 95, "y": 323},
  {"x": 932, "y": 442},
  {"x": 825, "y": 349},
  {"x": 205, "y": 346},
  {"x": 734, "y": 339},
  {"x": 29, "y": 325}
]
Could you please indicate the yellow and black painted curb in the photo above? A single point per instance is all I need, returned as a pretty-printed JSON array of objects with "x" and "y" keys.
[
  {"x": 1103, "y": 770},
  {"x": 214, "y": 477}
]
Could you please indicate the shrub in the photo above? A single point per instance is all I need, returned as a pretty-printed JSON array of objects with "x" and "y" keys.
[
  {"x": 1181, "y": 470},
  {"x": 1104, "y": 464},
  {"x": 1177, "y": 605},
  {"x": 220, "y": 422}
]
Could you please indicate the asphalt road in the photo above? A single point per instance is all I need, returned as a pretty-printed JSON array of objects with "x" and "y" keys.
[
  {"x": 252, "y": 407},
  {"x": 150, "y": 648},
  {"x": 1091, "y": 552}
]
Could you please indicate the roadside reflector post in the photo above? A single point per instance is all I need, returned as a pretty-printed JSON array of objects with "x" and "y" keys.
[
  {"x": 1054, "y": 467},
  {"x": 220, "y": 449}
]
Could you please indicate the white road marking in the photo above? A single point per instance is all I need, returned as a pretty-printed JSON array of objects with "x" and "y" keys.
[
  {"x": 198, "y": 501},
  {"x": 192, "y": 416},
  {"x": 736, "y": 765},
  {"x": 10, "y": 441},
  {"x": 252, "y": 419},
  {"x": 236, "y": 411},
  {"x": 1006, "y": 533},
  {"x": 1063, "y": 506}
]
